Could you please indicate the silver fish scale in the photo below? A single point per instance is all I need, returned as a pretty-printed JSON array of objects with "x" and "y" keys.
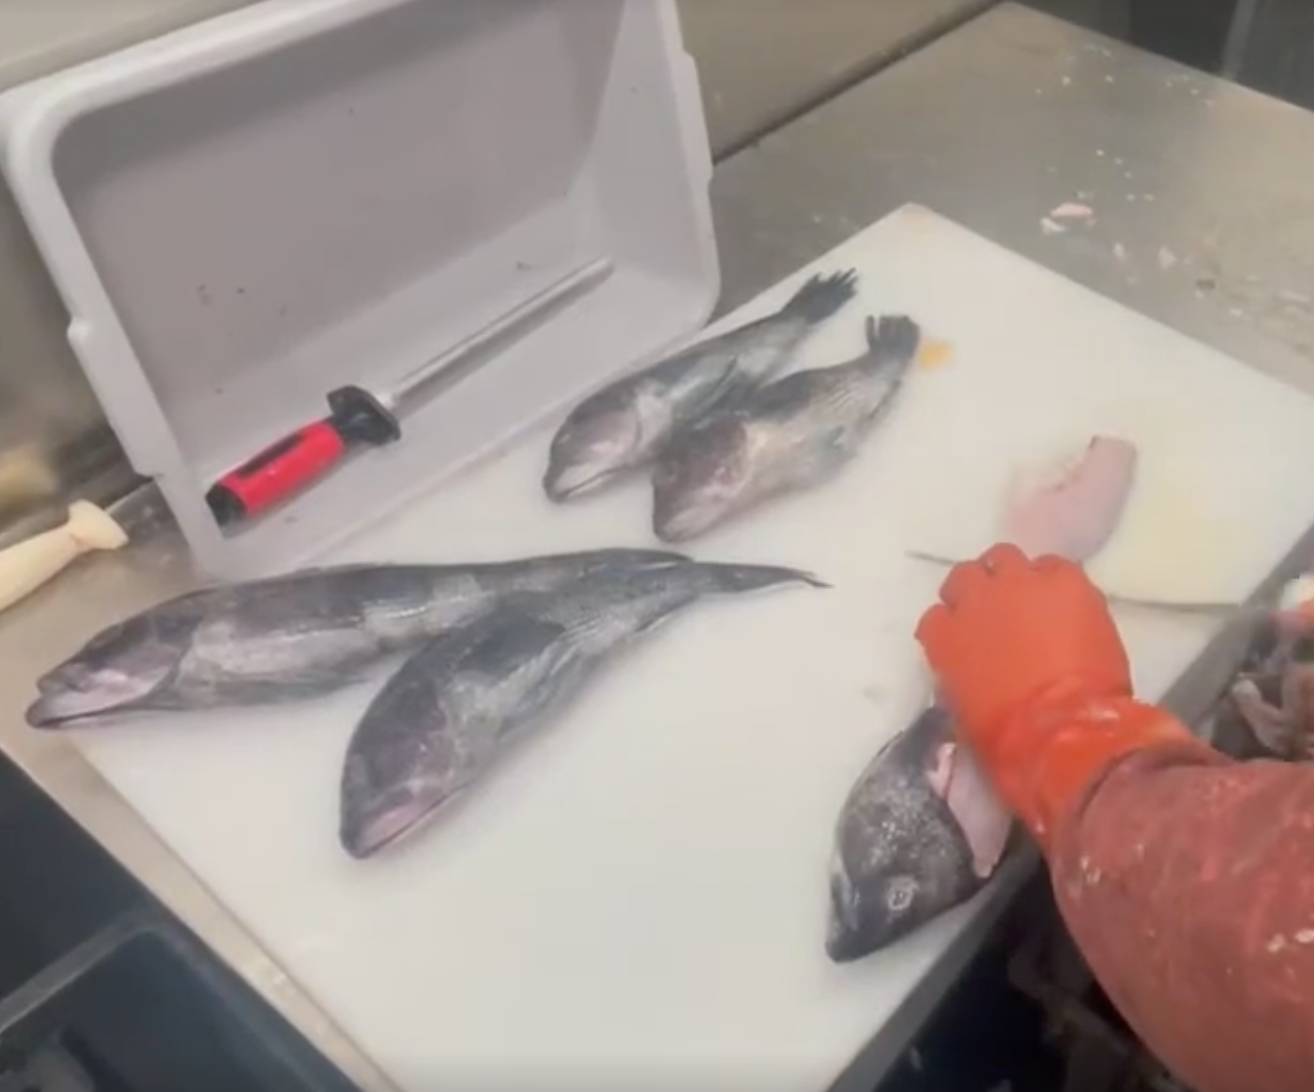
[
  {"x": 695, "y": 381},
  {"x": 363, "y": 613},
  {"x": 756, "y": 352},
  {"x": 335, "y": 622},
  {"x": 791, "y": 435},
  {"x": 654, "y": 414},
  {"x": 496, "y": 706},
  {"x": 479, "y": 703},
  {"x": 598, "y": 619},
  {"x": 804, "y": 427},
  {"x": 226, "y": 647},
  {"x": 820, "y": 439}
]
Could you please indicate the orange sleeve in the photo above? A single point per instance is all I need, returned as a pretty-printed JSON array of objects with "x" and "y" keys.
[{"x": 1187, "y": 880}]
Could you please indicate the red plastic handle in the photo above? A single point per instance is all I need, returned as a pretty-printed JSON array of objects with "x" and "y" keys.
[{"x": 277, "y": 472}]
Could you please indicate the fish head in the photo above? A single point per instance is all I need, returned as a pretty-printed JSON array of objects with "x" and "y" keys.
[
  {"x": 602, "y": 437},
  {"x": 889, "y": 900},
  {"x": 702, "y": 477},
  {"x": 121, "y": 668},
  {"x": 902, "y": 856},
  {"x": 395, "y": 781}
]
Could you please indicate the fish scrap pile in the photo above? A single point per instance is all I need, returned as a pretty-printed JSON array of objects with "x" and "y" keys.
[
  {"x": 489, "y": 650},
  {"x": 1272, "y": 695}
]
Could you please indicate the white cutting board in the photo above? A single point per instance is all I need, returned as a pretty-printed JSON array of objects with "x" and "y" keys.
[{"x": 642, "y": 890}]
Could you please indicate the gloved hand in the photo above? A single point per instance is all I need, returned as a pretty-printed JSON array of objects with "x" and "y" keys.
[{"x": 1030, "y": 662}]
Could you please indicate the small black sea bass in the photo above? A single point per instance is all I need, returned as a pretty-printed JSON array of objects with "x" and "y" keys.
[
  {"x": 293, "y": 636},
  {"x": 459, "y": 703},
  {"x": 920, "y": 833},
  {"x": 790, "y": 435},
  {"x": 625, "y": 424}
]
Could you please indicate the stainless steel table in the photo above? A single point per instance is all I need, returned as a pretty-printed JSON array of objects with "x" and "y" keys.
[{"x": 1203, "y": 219}]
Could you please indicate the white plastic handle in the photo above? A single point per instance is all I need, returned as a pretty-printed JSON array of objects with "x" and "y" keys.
[{"x": 28, "y": 565}]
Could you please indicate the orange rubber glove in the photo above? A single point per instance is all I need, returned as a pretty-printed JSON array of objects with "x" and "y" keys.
[{"x": 1030, "y": 662}]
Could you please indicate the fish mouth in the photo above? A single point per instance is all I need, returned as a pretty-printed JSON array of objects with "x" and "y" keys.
[
  {"x": 856, "y": 927},
  {"x": 846, "y": 938},
  {"x": 673, "y": 521},
  {"x": 702, "y": 484},
  {"x": 568, "y": 482},
  {"x": 674, "y": 529},
  {"x": 384, "y": 827},
  {"x": 673, "y": 524},
  {"x": 845, "y": 945},
  {"x": 56, "y": 708}
]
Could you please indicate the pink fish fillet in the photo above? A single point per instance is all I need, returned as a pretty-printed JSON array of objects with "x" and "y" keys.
[{"x": 1074, "y": 511}]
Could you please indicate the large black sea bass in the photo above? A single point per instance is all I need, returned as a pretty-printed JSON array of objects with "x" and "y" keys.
[
  {"x": 293, "y": 636},
  {"x": 457, "y": 705}
]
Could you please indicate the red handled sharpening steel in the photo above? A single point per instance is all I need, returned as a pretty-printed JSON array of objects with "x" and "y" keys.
[{"x": 358, "y": 417}]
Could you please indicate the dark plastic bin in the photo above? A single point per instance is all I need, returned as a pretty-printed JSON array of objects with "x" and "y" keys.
[{"x": 144, "y": 1007}]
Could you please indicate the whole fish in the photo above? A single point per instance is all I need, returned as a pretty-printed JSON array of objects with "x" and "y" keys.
[
  {"x": 625, "y": 424},
  {"x": 920, "y": 833},
  {"x": 293, "y": 636},
  {"x": 790, "y": 435},
  {"x": 455, "y": 706}
]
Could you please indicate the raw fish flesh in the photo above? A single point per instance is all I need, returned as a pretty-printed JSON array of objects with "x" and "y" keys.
[{"x": 1072, "y": 511}]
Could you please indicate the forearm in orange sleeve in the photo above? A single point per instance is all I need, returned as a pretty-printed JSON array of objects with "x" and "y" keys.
[{"x": 1187, "y": 880}]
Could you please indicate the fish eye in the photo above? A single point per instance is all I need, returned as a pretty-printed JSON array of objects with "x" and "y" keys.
[{"x": 899, "y": 893}]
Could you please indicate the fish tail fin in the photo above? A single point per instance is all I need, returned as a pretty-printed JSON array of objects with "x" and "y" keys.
[
  {"x": 821, "y": 297},
  {"x": 731, "y": 578},
  {"x": 894, "y": 338}
]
